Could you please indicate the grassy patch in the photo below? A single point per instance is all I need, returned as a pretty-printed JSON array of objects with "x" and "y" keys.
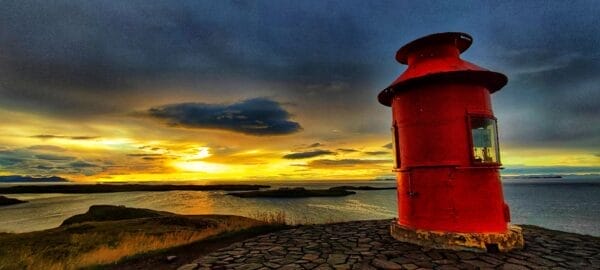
[
  {"x": 98, "y": 237},
  {"x": 156, "y": 259}
]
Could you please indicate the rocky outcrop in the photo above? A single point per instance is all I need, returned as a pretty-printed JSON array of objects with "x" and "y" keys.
[{"x": 9, "y": 201}]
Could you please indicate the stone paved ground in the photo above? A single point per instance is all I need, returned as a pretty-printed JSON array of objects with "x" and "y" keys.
[{"x": 368, "y": 245}]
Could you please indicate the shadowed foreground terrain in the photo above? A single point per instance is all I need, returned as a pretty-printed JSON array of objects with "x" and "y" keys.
[
  {"x": 106, "y": 234},
  {"x": 9, "y": 201},
  {"x": 368, "y": 245},
  {"x": 116, "y": 237}
]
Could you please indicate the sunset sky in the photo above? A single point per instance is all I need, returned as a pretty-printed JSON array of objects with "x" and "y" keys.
[{"x": 262, "y": 90}]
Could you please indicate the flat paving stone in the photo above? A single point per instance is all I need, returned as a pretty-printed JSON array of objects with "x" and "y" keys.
[
  {"x": 383, "y": 264},
  {"x": 189, "y": 266},
  {"x": 368, "y": 245},
  {"x": 334, "y": 259}
]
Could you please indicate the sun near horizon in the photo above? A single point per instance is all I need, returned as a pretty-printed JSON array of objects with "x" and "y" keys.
[
  {"x": 132, "y": 148},
  {"x": 118, "y": 91}
]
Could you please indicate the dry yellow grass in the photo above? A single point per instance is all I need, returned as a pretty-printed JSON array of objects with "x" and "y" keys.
[
  {"x": 280, "y": 218},
  {"x": 95, "y": 243},
  {"x": 272, "y": 218},
  {"x": 134, "y": 244}
]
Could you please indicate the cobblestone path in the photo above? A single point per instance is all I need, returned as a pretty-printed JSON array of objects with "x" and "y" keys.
[{"x": 368, "y": 245}]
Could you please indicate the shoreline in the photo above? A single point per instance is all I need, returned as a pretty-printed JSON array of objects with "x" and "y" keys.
[
  {"x": 360, "y": 244},
  {"x": 6, "y": 201},
  {"x": 112, "y": 188},
  {"x": 301, "y": 192}
]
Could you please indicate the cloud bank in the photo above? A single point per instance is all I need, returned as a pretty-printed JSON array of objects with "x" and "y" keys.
[
  {"x": 258, "y": 117},
  {"x": 308, "y": 154}
]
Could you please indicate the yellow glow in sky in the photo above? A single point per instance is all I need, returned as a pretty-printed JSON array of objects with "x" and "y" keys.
[
  {"x": 139, "y": 150},
  {"x": 199, "y": 166}
]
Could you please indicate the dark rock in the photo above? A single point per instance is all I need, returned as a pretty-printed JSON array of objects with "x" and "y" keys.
[
  {"x": 334, "y": 259},
  {"x": 383, "y": 264},
  {"x": 171, "y": 258},
  {"x": 479, "y": 264},
  {"x": 9, "y": 201},
  {"x": 190, "y": 266},
  {"x": 510, "y": 266},
  {"x": 111, "y": 212}
]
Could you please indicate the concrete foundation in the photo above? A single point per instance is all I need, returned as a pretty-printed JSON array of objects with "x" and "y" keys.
[{"x": 477, "y": 242}]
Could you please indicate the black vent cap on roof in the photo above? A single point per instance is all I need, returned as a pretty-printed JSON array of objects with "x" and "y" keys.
[{"x": 462, "y": 41}]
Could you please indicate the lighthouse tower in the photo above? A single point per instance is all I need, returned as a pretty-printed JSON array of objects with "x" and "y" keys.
[{"x": 446, "y": 150}]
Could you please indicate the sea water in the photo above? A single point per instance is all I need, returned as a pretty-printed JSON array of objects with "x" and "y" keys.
[{"x": 571, "y": 203}]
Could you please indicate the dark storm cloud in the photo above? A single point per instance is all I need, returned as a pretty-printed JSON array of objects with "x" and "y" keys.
[
  {"x": 7, "y": 161},
  {"x": 82, "y": 58},
  {"x": 36, "y": 160},
  {"x": 83, "y": 137},
  {"x": 144, "y": 155},
  {"x": 556, "y": 101},
  {"x": 376, "y": 153},
  {"x": 308, "y": 154},
  {"x": 72, "y": 53},
  {"x": 50, "y": 136},
  {"x": 552, "y": 59},
  {"x": 51, "y": 148},
  {"x": 54, "y": 157},
  {"x": 347, "y": 150},
  {"x": 148, "y": 156},
  {"x": 258, "y": 116},
  {"x": 153, "y": 158},
  {"x": 388, "y": 146},
  {"x": 82, "y": 164}
]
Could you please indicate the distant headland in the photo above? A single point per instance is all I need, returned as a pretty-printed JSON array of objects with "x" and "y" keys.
[
  {"x": 4, "y": 201},
  {"x": 300, "y": 192},
  {"x": 31, "y": 179},
  {"x": 109, "y": 188},
  {"x": 250, "y": 191}
]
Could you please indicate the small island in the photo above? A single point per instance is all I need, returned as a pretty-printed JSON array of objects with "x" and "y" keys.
[
  {"x": 109, "y": 188},
  {"x": 4, "y": 201},
  {"x": 362, "y": 188},
  {"x": 298, "y": 192},
  {"x": 542, "y": 176},
  {"x": 534, "y": 176}
]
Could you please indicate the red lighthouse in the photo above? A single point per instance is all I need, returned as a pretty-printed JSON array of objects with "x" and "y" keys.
[{"x": 446, "y": 151}]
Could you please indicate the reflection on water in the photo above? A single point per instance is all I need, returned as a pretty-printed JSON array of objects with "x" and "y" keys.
[{"x": 567, "y": 204}]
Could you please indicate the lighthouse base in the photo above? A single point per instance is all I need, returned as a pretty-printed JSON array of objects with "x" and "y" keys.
[{"x": 477, "y": 242}]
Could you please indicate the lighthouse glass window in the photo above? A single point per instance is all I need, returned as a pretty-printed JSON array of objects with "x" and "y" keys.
[
  {"x": 485, "y": 140},
  {"x": 395, "y": 146}
]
